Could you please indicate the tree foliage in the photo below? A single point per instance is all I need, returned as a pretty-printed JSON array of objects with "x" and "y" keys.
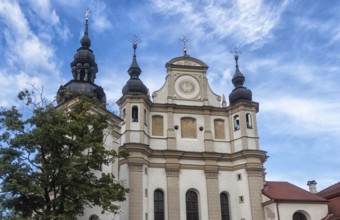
[{"x": 50, "y": 156}]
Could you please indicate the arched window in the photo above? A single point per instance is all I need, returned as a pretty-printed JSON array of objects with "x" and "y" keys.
[
  {"x": 134, "y": 115},
  {"x": 249, "y": 120},
  {"x": 224, "y": 206},
  {"x": 299, "y": 216},
  {"x": 157, "y": 125},
  {"x": 158, "y": 201},
  {"x": 94, "y": 217},
  {"x": 236, "y": 122},
  {"x": 192, "y": 205},
  {"x": 188, "y": 127},
  {"x": 219, "y": 129}
]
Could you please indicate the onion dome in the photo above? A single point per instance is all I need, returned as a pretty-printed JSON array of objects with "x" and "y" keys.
[
  {"x": 84, "y": 70},
  {"x": 134, "y": 84},
  {"x": 239, "y": 92}
]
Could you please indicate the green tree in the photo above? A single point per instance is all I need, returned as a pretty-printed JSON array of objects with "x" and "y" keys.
[{"x": 49, "y": 159}]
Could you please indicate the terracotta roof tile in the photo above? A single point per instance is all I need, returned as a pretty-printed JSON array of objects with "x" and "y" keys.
[
  {"x": 285, "y": 191},
  {"x": 330, "y": 191}
]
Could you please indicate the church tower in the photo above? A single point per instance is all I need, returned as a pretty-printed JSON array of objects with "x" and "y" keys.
[
  {"x": 84, "y": 70},
  {"x": 134, "y": 107},
  {"x": 244, "y": 137}
]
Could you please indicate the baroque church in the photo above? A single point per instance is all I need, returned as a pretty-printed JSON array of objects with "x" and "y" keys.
[{"x": 192, "y": 154}]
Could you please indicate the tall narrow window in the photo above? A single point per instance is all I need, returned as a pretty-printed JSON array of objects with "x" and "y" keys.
[
  {"x": 134, "y": 114},
  {"x": 224, "y": 207},
  {"x": 157, "y": 125},
  {"x": 188, "y": 127},
  {"x": 123, "y": 114},
  {"x": 158, "y": 201},
  {"x": 236, "y": 122},
  {"x": 145, "y": 117},
  {"x": 192, "y": 205},
  {"x": 219, "y": 129},
  {"x": 249, "y": 120}
]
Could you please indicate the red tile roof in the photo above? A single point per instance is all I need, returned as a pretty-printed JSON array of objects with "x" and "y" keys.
[
  {"x": 285, "y": 191},
  {"x": 330, "y": 191}
]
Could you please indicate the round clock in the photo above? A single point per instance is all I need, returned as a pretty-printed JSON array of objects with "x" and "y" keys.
[{"x": 187, "y": 87}]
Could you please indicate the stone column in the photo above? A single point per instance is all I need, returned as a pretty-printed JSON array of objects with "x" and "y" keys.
[
  {"x": 255, "y": 182},
  {"x": 173, "y": 194},
  {"x": 213, "y": 194},
  {"x": 135, "y": 192}
]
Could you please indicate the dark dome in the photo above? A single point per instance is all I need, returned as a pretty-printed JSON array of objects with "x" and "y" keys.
[
  {"x": 80, "y": 88},
  {"x": 134, "y": 84},
  {"x": 239, "y": 92}
]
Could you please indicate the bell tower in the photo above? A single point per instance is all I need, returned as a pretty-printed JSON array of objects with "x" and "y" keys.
[
  {"x": 134, "y": 110},
  {"x": 244, "y": 136},
  {"x": 84, "y": 69}
]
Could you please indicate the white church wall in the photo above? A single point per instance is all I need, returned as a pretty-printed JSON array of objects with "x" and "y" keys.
[
  {"x": 222, "y": 147},
  {"x": 229, "y": 183},
  {"x": 158, "y": 143},
  {"x": 312, "y": 211},
  {"x": 157, "y": 180},
  {"x": 195, "y": 180},
  {"x": 146, "y": 192},
  {"x": 190, "y": 144}
]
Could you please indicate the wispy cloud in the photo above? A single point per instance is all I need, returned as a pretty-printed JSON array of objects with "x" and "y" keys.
[{"x": 246, "y": 22}]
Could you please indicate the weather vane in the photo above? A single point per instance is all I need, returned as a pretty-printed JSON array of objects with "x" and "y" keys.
[
  {"x": 135, "y": 40},
  {"x": 236, "y": 52},
  {"x": 184, "y": 40}
]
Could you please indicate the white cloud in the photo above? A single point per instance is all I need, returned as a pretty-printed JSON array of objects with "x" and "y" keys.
[
  {"x": 28, "y": 58},
  {"x": 246, "y": 22},
  {"x": 300, "y": 115}
]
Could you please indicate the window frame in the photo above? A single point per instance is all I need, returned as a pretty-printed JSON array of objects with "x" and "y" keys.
[
  {"x": 158, "y": 204},
  {"x": 192, "y": 205}
]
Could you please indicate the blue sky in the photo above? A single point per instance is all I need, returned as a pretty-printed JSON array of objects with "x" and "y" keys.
[{"x": 290, "y": 58}]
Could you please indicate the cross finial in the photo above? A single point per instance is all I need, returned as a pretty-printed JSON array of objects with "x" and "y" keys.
[
  {"x": 87, "y": 13},
  {"x": 184, "y": 40},
  {"x": 236, "y": 52},
  {"x": 135, "y": 40}
]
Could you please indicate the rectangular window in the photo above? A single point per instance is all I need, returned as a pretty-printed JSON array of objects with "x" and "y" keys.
[
  {"x": 188, "y": 128},
  {"x": 157, "y": 125}
]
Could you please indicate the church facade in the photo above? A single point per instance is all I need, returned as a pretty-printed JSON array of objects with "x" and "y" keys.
[{"x": 192, "y": 155}]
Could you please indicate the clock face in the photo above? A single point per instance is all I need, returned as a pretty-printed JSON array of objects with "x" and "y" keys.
[{"x": 187, "y": 87}]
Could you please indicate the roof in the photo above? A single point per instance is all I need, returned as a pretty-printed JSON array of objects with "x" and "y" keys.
[
  {"x": 285, "y": 191},
  {"x": 330, "y": 191}
]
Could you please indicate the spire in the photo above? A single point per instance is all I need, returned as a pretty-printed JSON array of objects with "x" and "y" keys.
[
  {"x": 238, "y": 78},
  {"x": 85, "y": 41},
  {"x": 134, "y": 70},
  {"x": 224, "y": 103},
  {"x": 134, "y": 84},
  {"x": 239, "y": 92},
  {"x": 84, "y": 69}
]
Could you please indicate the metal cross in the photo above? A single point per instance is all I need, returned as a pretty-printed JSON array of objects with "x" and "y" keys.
[
  {"x": 184, "y": 40},
  {"x": 135, "y": 40},
  {"x": 236, "y": 52}
]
